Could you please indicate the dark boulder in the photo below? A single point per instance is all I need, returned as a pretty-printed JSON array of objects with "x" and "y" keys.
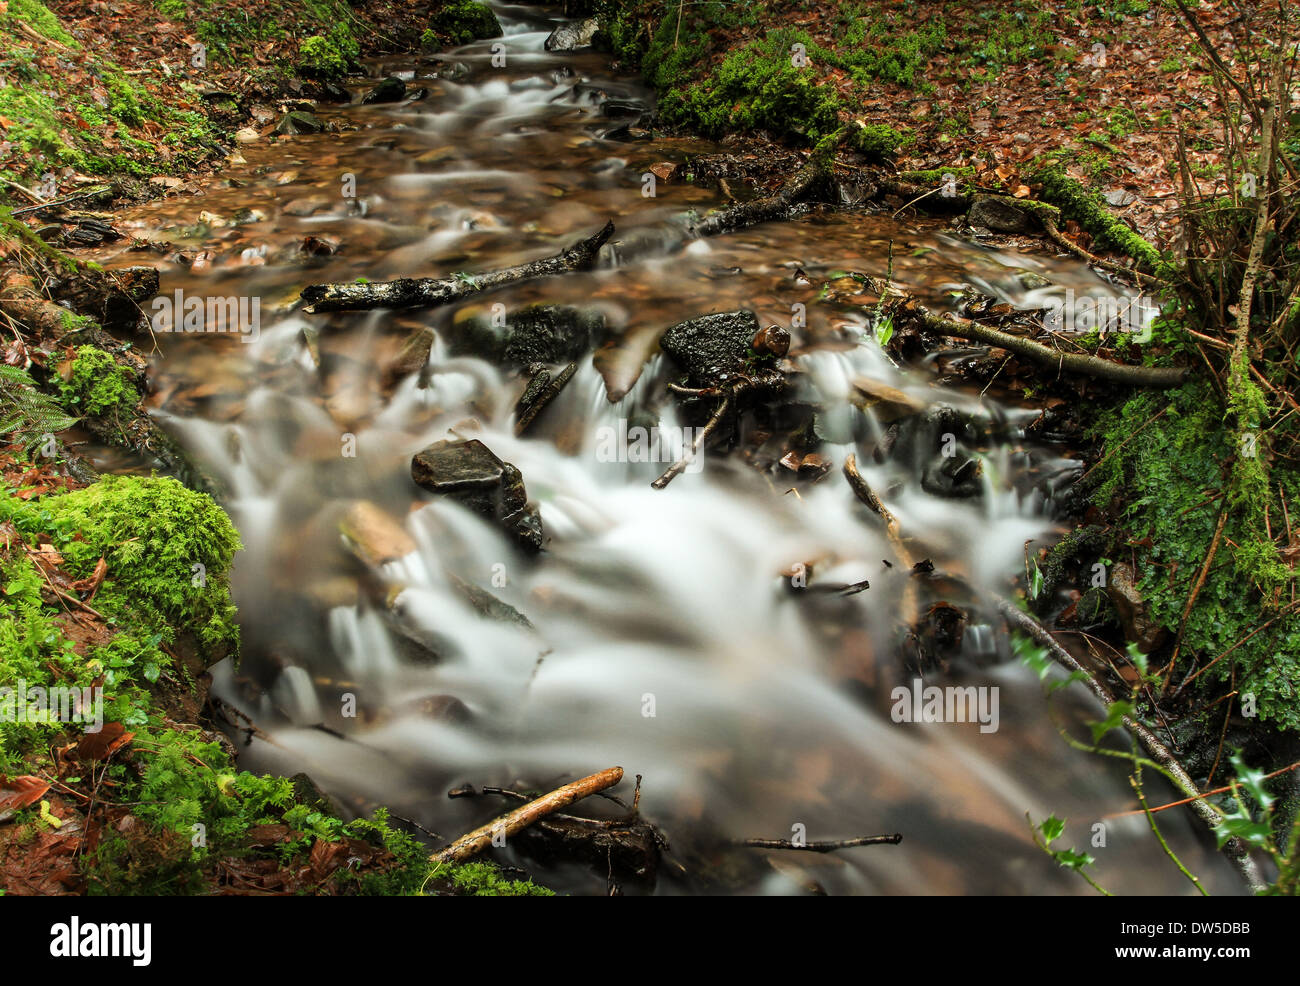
[
  {"x": 390, "y": 90},
  {"x": 471, "y": 474},
  {"x": 536, "y": 334},
  {"x": 711, "y": 347}
]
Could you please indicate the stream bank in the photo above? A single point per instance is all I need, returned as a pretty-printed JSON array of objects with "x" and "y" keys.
[{"x": 860, "y": 286}]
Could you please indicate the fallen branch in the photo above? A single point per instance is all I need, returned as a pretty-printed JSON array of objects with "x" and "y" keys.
[
  {"x": 831, "y": 846},
  {"x": 475, "y": 842},
  {"x": 428, "y": 292},
  {"x": 810, "y": 179},
  {"x": 1090, "y": 366},
  {"x": 1234, "y": 848}
]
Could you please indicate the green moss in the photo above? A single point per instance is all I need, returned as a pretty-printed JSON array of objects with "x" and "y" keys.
[
  {"x": 1089, "y": 211},
  {"x": 1169, "y": 476},
  {"x": 880, "y": 142},
  {"x": 38, "y": 17},
  {"x": 463, "y": 21},
  {"x": 167, "y": 548},
  {"x": 328, "y": 56},
  {"x": 485, "y": 880},
  {"x": 98, "y": 385}
]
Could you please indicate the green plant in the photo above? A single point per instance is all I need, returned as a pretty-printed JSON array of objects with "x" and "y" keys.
[{"x": 27, "y": 413}]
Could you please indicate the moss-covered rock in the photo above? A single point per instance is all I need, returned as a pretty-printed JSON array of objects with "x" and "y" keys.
[
  {"x": 97, "y": 384},
  {"x": 461, "y": 21},
  {"x": 168, "y": 552}
]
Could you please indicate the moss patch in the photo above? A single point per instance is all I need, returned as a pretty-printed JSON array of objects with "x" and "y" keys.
[
  {"x": 461, "y": 21},
  {"x": 1169, "y": 477},
  {"x": 97, "y": 385}
]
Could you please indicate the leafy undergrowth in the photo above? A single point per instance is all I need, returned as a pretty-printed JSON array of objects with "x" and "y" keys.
[
  {"x": 1001, "y": 89},
  {"x": 156, "y": 88},
  {"x": 96, "y": 582},
  {"x": 1167, "y": 468}
]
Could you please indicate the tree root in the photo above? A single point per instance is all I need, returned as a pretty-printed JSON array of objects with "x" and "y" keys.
[
  {"x": 1061, "y": 240},
  {"x": 810, "y": 180}
]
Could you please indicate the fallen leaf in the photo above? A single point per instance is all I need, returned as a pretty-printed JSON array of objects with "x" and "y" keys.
[{"x": 18, "y": 793}]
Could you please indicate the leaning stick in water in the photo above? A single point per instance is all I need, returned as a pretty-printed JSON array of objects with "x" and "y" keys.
[
  {"x": 475, "y": 842},
  {"x": 428, "y": 292}
]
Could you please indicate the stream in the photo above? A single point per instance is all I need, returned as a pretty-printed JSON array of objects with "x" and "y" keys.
[{"x": 668, "y": 637}]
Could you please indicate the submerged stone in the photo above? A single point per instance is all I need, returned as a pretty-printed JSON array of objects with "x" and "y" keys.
[
  {"x": 531, "y": 335},
  {"x": 299, "y": 122}
]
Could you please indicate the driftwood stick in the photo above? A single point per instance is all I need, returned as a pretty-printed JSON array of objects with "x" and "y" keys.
[
  {"x": 697, "y": 446},
  {"x": 428, "y": 292},
  {"x": 1234, "y": 848},
  {"x": 863, "y": 491},
  {"x": 831, "y": 846},
  {"x": 1090, "y": 366},
  {"x": 475, "y": 842},
  {"x": 548, "y": 394}
]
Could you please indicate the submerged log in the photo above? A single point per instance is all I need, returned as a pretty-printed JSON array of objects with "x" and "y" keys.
[{"x": 428, "y": 292}]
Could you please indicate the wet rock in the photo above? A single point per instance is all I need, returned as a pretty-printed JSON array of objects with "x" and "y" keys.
[
  {"x": 307, "y": 792},
  {"x": 332, "y": 92},
  {"x": 956, "y": 476},
  {"x": 1132, "y": 609},
  {"x": 299, "y": 122},
  {"x": 372, "y": 535},
  {"x": 466, "y": 471},
  {"x": 1002, "y": 214},
  {"x": 488, "y": 605},
  {"x": 572, "y": 36},
  {"x": 390, "y": 90},
  {"x": 772, "y": 341},
  {"x": 886, "y": 402},
  {"x": 536, "y": 334},
  {"x": 525, "y": 528},
  {"x": 412, "y": 358},
  {"x": 453, "y": 72},
  {"x": 471, "y": 474},
  {"x": 711, "y": 347}
]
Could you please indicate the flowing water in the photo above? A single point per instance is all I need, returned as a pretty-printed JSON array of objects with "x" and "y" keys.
[{"x": 667, "y": 638}]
